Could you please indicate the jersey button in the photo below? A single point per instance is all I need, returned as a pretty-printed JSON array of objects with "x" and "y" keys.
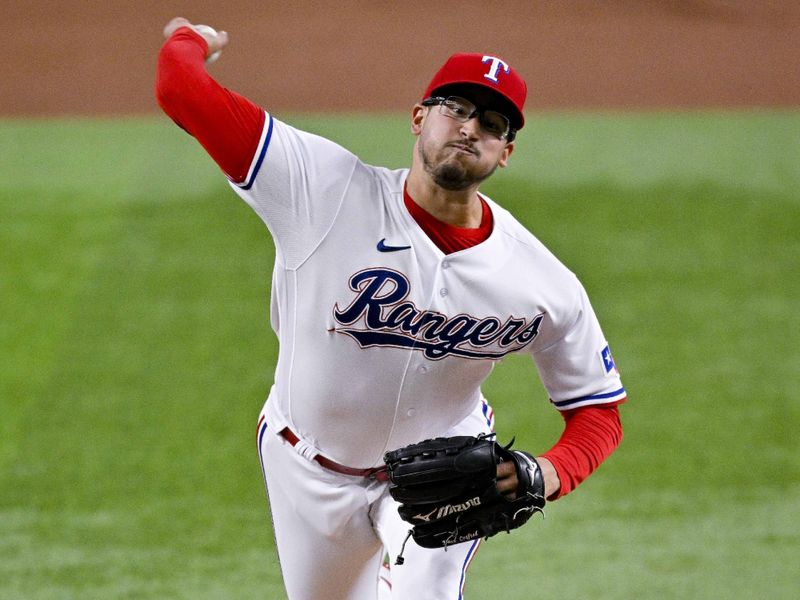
[
  {"x": 445, "y": 264},
  {"x": 443, "y": 292},
  {"x": 411, "y": 412}
]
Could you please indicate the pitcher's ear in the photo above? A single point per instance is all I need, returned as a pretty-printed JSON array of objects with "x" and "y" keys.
[
  {"x": 417, "y": 118},
  {"x": 505, "y": 155}
]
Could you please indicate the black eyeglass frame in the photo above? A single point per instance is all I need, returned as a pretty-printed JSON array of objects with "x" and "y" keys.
[{"x": 509, "y": 136}]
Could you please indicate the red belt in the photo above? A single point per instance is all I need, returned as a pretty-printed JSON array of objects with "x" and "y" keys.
[{"x": 378, "y": 473}]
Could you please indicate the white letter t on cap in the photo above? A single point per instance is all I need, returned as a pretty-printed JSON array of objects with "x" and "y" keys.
[{"x": 496, "y": 64}]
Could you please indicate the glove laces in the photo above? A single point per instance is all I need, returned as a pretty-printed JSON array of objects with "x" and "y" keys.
[{"x": 400, "y": 560}]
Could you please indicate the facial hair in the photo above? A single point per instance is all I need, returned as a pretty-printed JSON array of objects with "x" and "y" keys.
[{"x": 450, "y": 173}]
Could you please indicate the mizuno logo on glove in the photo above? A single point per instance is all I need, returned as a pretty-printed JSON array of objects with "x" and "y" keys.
[{"x": 448, "y": 509}]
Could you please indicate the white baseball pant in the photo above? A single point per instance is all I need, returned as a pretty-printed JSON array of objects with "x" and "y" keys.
[{"x": 333, "y": 530}]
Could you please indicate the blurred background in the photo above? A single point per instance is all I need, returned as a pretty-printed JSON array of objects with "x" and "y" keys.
[
  {"x": 89, "y": 58},
  {"x": 660, "y": 161}
]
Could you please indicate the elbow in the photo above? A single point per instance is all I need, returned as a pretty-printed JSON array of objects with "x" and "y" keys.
[
  {"x": 162, "y": 95},
  {"x": 168, "y": 99},
  {"x": 172, "y": 77},
  {"x": 165, "y": 95},
  {"x": 167, "y": 77}
]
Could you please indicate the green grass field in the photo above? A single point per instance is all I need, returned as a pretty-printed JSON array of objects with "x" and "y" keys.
[{"x": 136, "y": 355}]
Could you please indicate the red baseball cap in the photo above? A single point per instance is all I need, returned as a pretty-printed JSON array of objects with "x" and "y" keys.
[{"x": 486, "y": 71}]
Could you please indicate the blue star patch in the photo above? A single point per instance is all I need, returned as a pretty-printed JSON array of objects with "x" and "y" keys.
[{"x": 608, "y": 361}]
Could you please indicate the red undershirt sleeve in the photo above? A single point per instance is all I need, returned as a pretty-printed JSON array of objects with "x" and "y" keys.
[
  {"x": 591, "y": 434},
  {"x": 226, "y": 124}
]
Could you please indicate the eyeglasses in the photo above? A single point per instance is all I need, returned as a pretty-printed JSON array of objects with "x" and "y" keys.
[{"x": 462, "y": 110}]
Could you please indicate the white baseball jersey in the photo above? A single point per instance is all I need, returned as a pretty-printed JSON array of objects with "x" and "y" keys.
[{"x": 384, "y": 339}]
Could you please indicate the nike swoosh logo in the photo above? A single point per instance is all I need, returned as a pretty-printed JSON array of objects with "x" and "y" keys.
[{"x": 382, "y": 247}]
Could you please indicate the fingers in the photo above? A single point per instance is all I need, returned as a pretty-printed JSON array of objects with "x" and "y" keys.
[
  {"x": 174, "y": 25},
  {"x": 216, "y": 40},
  {"x": 507, "y": 482},
  {"x": 219, "y": 43},
  {"x": 506, "y": 469}
]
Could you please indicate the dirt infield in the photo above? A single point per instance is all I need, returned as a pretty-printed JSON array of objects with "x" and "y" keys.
[{"x": 86, "y": 58}]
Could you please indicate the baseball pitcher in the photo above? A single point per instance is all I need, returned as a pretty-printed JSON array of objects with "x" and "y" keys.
[{"x": 394, "y": 293}]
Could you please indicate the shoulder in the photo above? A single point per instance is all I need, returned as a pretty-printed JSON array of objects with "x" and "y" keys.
[
  {"x": 535, "y": 269},
  {"x": 508, "y": 225},
  {"x": 300, "y": 140},
  {"x": 525, "y": 243},
  {"x": 392, "y": 180}
]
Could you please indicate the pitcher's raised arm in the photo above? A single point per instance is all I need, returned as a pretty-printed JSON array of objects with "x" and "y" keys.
[{"x": 225, "y": 123}]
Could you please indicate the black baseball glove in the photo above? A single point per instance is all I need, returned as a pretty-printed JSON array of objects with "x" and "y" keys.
[{"x": 447, "y": 488}]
